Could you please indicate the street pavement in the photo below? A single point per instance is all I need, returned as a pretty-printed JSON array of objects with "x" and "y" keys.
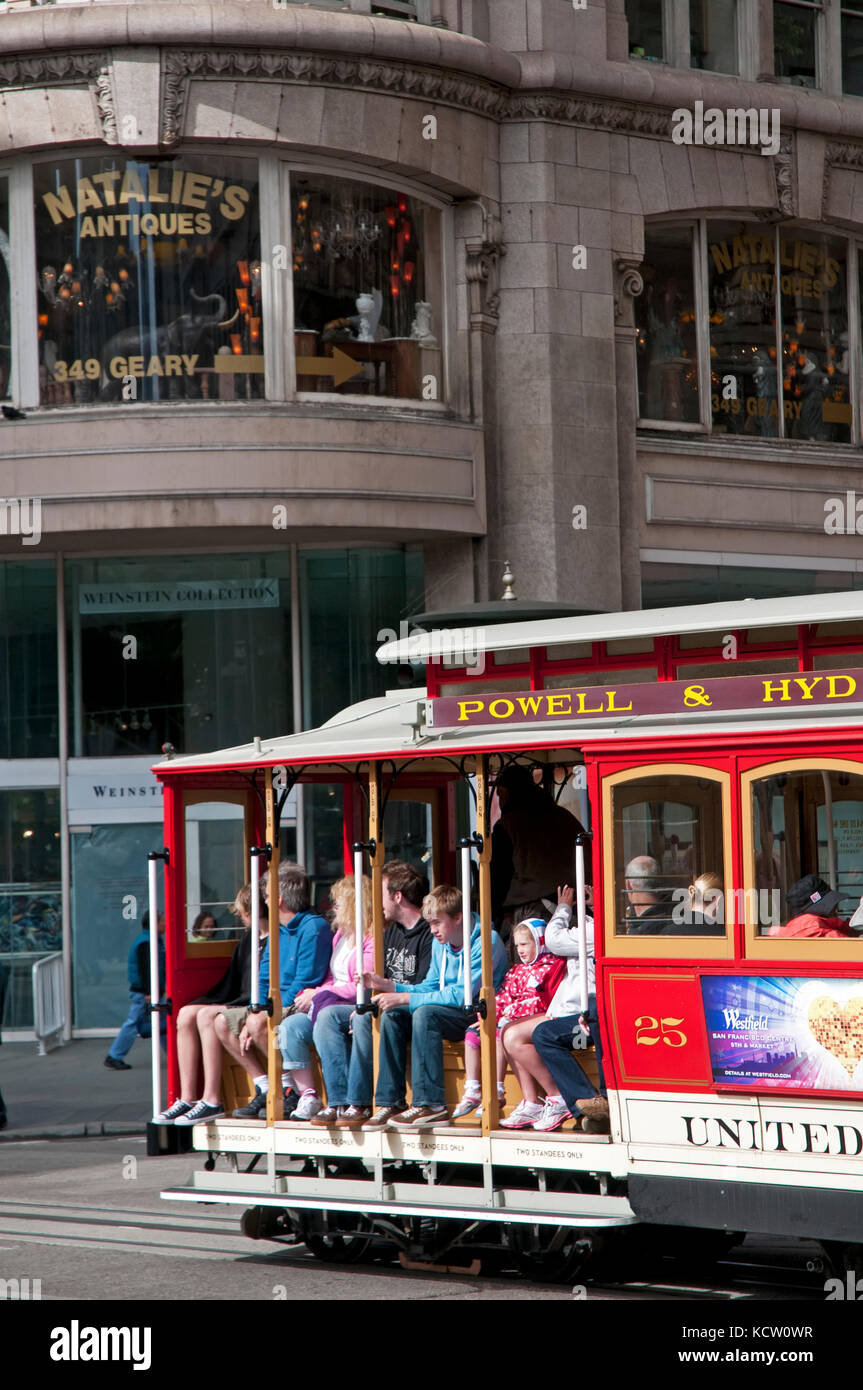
[{"x": 71, "y": 1093}]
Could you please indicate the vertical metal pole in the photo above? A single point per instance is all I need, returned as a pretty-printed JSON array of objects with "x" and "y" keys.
[
  {"x": 297, "y": 695},
  {"x": 581, "y": 912},
  {"x": 255, "y": 885},
  {"x": 275, "y": 1098},
  {"x": 358, "y": 922},
  {"x": 376, "y": 833},
  {"x": 63, "y": 752},
  {"x": 488, "y": 1020},
  {"x": 155, "y": 991},
  {"x": 467, "y": 920}
]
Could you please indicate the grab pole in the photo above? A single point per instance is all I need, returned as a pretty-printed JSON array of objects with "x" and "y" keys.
[
  {"x": 466, "y": 846},
  {"x": 256, "y": 852},
  {"x": 360, "y": 847},
  {"x": 157, "y": 1008}
]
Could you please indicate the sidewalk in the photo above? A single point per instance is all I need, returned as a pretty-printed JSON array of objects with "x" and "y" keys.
[{"x": 70, "y": 1093}]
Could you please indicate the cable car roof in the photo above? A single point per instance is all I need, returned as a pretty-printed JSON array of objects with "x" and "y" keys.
[{"x": 746, "y": 613}]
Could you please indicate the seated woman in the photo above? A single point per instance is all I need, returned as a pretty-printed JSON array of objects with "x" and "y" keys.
[
  {"x": 340, "y": 986},
  {"x": 196, "y": 1036}
]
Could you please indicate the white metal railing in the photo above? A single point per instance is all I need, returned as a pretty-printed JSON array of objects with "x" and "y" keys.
[{"x": 49, "y": 1002}]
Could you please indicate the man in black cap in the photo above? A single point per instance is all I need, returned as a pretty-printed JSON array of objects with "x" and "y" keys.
[{"x": 812, "y": 904}]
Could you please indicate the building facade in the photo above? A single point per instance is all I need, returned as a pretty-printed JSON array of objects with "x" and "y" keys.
[{"x": 317, "y": 314}]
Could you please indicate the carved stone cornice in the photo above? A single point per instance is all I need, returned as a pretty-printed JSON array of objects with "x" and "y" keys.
[
  {"x": 320, "y": 69},
  {"x": 614, "y": 116},
  {"x": 784, "y": 171},
  {"x": 104, "y": 92},
  {"x": 482, "y": 273},
  {"x": 628, "y": 285},
  {"x": 51, "y": 70}
]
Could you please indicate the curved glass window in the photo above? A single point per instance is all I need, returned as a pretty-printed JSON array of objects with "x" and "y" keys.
[
  {"x": 149, "y": 280},
  {"x": 669, "y": 861}
]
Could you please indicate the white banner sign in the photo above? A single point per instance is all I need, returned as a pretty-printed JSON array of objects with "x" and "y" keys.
[{"x": 189, "y": 595}]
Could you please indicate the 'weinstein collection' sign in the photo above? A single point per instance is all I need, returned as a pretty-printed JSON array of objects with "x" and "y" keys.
[{"x": 831, "y": 689}]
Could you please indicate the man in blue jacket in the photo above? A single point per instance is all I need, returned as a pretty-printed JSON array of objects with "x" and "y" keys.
[
  {"x": 425, "y": 1014},
  {"x": 305, "y": 943},
  {"x": 138, "y": 1022}
]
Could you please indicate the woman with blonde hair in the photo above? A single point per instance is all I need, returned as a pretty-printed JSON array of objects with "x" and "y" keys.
[{"x": 334, "y": 993}]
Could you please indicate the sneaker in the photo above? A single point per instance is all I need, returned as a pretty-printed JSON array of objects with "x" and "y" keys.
[
  {"x": 467, "y": 1106},
  {"x": 328, "y": 1116},
  {"x": 256, "y": 1108},
  {"x": 173, "y": 1112},
  {"x": 309, "y": 1106},
  {"x": 292, "y": 1100},
  {"x": 200, "y": 1113},
  {"x": 523, "y": 1116},
  {"x": 114, "y": 1064},
  {"x": 420, "y": 1117},
  {"x": 554, "y": 1112},
  {"x": 354, "y": 1117},
  {"x": 382, "y": 1116},
  {"x": 501, "y": 1102}
]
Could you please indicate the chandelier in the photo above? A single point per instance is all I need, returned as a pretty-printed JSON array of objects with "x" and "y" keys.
[{"x": 343, "y": 233}]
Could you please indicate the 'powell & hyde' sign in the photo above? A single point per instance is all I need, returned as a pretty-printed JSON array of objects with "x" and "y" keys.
[{"x": 831, "y": 689}]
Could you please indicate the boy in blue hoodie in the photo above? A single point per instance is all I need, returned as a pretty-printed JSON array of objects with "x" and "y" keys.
[{"x": 425, "y": 1014}]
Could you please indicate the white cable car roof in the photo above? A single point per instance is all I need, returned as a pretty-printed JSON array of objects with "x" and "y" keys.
[{"x": 607, "y": 627}]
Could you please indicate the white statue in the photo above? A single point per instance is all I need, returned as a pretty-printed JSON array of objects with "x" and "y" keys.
[
  {"x": 421, "y": 326},
  {"x": 369, "y": 308}
]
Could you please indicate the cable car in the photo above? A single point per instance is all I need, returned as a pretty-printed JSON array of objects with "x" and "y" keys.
[{"x": 719, "y": 744}]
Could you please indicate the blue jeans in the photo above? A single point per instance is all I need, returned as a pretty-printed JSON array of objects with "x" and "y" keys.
[
  {"x": 553, "y": 1041},
  {"x": 346, "y": 1064},
  {"x": 426, "y": 1029},
  {"x": 137, "y": 1025},
  {"x": 294, "y": 1036}
]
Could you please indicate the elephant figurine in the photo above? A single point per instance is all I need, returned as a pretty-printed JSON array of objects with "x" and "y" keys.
[{"x": 176, "y": 339}]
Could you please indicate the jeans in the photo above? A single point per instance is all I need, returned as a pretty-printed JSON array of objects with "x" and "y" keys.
[
  {"x": 294, "y": 1036},
  {"x": 553, "y": 1041},
  {"x": 426, "y": 1028},
  {"x": 137, "y": 1025},
  {"x": 347, "y": 1065}
]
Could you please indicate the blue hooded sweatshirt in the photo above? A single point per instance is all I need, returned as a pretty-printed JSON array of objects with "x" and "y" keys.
[
  {"x": 444, "y": 983},
  {"x": 305, "y": 945}
]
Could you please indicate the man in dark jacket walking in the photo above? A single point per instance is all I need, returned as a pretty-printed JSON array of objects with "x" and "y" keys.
[{"x": 138, "y": 1022}]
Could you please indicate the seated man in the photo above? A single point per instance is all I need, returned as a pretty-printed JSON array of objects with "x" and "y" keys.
[
  {"x": 648, "y": 912},
  {"x": 343, "y": 1038},
  {"x": 812, "y": 904},
  {"x": 305, "y": 942},
  {"x": 425, "y": 1014},
  {"x": 553, "y": 1038}
]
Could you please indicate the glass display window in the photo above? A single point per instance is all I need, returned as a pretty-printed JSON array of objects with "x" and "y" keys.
[
  {"x": 367, "y": 287},
  {"x": 149, "y": 280},
  {"x": 713, "y": 35},
  {"x": 665, "y": 326},
  {"x": 795, "y": 41}
]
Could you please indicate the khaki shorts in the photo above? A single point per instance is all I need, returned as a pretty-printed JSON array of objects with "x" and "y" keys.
[{"x": 236, "y": 1018}]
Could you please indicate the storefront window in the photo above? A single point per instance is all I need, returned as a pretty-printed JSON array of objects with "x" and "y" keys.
[
  {"x": 713, "y": 34},
  {"x": 794, "y": 44},
  {"x": 667, "y": 584},
  {"x": 852, "y": 49},
  {"x": 367, "y": 284},
  {"x": 347, "y": 598},
  {"x": 665, "y": 322},
  {"x": 6, "y": 382},
  {"x": 30, "y": 912},
  {"x": 741, "y": 281},
  {"x": 149, "y": 280},
  {"x": 28, "y": 660},
  {"x": 645, "y": 28},
  {"x": 189, "y": 651}
]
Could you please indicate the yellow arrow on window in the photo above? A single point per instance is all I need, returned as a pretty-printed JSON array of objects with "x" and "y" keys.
[{"x": 340, "y": 366}]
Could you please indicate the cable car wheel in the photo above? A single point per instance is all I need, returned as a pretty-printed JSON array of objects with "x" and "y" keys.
[
  {"x": 553, "y": 1253},
  {"x": 329, "y": 1236}
]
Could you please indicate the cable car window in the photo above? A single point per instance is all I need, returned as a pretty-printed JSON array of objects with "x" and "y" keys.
[
  {"x": 217, "y": 865},
  {"x": 669, "y": 863},
  {"x": 807, "y": 824}
]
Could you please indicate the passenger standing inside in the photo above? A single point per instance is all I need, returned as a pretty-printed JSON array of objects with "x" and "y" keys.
[
  {"x": 343, "y": 1038},
  {"x": 532, "y": 849},
  {"x": 138, "y": 1022},
  {"x": 197, "y": 1040},
  {"x": 305, "y": 942}
]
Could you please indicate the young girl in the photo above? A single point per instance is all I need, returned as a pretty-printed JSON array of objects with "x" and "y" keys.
[
  {"x": 526, "y": 991},
  {"x": 339, "y": 987}
]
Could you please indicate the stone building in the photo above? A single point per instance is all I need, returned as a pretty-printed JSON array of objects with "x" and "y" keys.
[{"x": 318, "y": 313}]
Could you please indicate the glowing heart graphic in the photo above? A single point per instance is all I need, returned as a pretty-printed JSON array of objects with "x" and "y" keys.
[{"x": 839, "y": 1030}]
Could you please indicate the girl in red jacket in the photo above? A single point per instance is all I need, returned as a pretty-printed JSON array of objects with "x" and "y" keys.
[{"x": 526, "y": 992}]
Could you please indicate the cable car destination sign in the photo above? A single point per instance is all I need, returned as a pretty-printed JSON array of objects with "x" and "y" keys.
[{"x": 830, "y": 689}]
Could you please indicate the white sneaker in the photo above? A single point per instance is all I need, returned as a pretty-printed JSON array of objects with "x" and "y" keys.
[
  {"x": 554, "y": 1112},
  {"x": 309, "y": 1105},
  {"x": 465, "y": 1107},
  {"x": 523, "y": 1116}
]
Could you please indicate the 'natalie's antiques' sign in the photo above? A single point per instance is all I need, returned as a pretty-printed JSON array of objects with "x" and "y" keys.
[
  {"x": 105, "y": 199},
  {"x": 831, "y": 689}
]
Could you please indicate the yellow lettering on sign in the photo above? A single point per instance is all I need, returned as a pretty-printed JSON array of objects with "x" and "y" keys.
[
  {"x": 616, "y": 709},
  {"x": 117, "y": 366},
  {"x": 807, "y": 686},
  {"x": 581, "y": 696},
  {"x": 834, "y": 694},
  {"x": 468, "y": 707},
  {"x": 771, "y": 686},
  {"x": 695, "y": 695},
  {"x": 529, "y": 704},
  {"x": 558, "y": 704},
  {"x": 508, "y": 709},
  {"x": 136, "y": 366}
]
